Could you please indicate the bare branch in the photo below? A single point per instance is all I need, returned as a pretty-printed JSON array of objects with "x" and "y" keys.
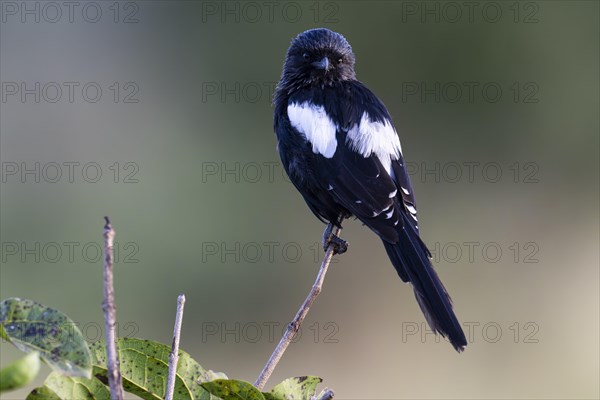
[
  {"x": 174, "y": 356},
  {"x": 294, "y": 326},
  {"x": 110, "y": 316}
]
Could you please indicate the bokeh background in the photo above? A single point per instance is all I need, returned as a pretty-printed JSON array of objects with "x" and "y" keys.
[{"x": 497, "y": 107}]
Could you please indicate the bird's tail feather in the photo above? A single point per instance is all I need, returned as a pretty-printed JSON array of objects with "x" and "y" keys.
[{"x": 411, "y": 259}]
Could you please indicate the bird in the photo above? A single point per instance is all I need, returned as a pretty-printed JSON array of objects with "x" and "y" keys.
[{"x": 341, "y": 151}]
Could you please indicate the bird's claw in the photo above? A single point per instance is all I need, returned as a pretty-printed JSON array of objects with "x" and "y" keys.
[{"x": 340, "y": 246}]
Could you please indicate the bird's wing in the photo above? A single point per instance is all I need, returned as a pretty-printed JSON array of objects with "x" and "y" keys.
[
  {"x": 362, "y": 186},
  {"x": 382, "y": 201},
  {"x": 358, "y": 158}
]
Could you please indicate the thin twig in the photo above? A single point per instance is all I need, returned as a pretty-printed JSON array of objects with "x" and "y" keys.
[
  {"x": 174, "y": 356},
  {"x": 294, "y": 326},
  {"x": 110, "y": 316}
]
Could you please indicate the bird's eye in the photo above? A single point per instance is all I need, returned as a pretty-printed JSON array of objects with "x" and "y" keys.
[
  {"x": 306, "y": 56},
  {"x": 340, "y": 61}
]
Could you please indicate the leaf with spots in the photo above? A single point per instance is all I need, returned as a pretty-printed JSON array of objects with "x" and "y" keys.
[
  {"x": 298, "y": 388},
  {"x": 31, "y": 326},
  {"x": 20, "y": 372},
  {"x": 57, "y": 386},
  {"x": 42, "y": 393},
  {"x": 229, "y": 389},
  {"x": 144, "y": 366}
]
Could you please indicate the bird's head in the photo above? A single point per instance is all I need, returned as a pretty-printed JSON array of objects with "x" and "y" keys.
[{"x": 318, "y": 57}]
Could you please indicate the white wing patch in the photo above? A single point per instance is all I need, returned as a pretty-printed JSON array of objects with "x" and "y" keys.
[
  {"x": 313, "y": 122},
  {"x": 368, "y": 137}
]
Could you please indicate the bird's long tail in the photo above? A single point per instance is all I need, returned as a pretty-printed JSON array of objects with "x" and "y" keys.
[{"x": 411, "y": 258}]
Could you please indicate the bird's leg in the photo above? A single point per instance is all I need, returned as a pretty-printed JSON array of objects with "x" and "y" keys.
[{"x": 340, "y": 246}]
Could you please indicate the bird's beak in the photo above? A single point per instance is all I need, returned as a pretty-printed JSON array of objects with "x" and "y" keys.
[{"x": 323, "y": 64}]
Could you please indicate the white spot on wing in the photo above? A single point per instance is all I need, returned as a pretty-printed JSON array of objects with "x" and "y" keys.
[
  {"x": 411, "y": 209},
  {"x": 368, "y": 137},
  {"x": 313, "y": 122},
  {"x": 358, "y": 202},
  {"x": 389, "y": 215},
  {"x": 406, "y": 192},
  {"x": 393, "y": 194},
  {"x": 329, "y": 187}
]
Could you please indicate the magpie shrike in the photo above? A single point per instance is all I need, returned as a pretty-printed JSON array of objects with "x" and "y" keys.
[{"x": 339, "y": 147}]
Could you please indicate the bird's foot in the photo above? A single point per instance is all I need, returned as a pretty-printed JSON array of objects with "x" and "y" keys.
[{"x": 340, "y": 246}]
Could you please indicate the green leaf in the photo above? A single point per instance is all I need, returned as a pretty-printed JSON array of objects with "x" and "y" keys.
[
  {"x": 3, "y": 334},
  {"x": 31, "y": 326},
  {"x": 71, "y": 388},
  {"x": 229, "y": 389},
  {"x": 298, "y": 388},
  {"x": 145, "y": 365},
  {"x": 42, "y": 393},
  {"x": 20, "y": 372}
]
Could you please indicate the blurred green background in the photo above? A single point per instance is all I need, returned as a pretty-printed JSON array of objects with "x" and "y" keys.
[{"x": 182, "y": 137}]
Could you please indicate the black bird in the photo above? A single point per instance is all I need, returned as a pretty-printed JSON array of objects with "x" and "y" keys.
[{"x": 339, "y": 147}]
